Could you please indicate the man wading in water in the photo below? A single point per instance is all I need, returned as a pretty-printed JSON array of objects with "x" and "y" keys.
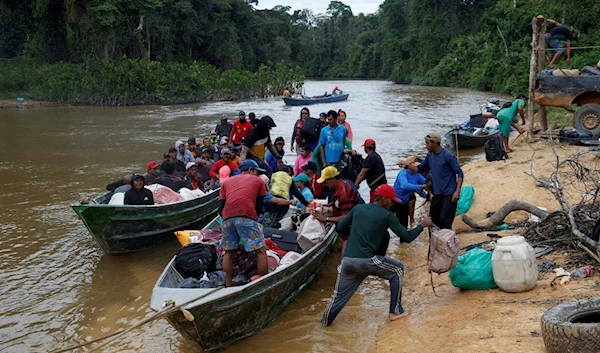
[{"x": 370, "y": 223}]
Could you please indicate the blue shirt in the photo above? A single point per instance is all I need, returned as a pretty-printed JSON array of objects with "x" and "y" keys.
[
  {"x": 406, "y": 183},
  {"x": 271, "y": 160},
  {"x": 332, "y": 141},
  {"x": 307, "y": 195},
  {"x": 444, "y": 169}
]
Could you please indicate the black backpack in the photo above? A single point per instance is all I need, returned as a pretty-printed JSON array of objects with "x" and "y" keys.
[
  {"x": 196, "y": 258},
  {"x": 311, "y": 129},
  {"x": 507, "y": 105},
  {"x": 494, "y": 149}
]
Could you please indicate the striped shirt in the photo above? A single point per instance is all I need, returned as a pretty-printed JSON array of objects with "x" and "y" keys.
[{"x": 344, "y": 199}]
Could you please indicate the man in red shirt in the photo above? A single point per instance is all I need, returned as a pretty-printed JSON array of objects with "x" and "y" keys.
[
  {"x": 343, "y": 200},
  {"x": 310, "y": 169},
  {"x": 224, "y": 161},
  {"x": 240, "y": 203},
  {"x": 240, "y": 129}
]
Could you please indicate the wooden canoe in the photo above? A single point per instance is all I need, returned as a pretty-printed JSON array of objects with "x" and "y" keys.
[
  {"x": 226, "y": 315},
  {"x": 315, "y": 100}
]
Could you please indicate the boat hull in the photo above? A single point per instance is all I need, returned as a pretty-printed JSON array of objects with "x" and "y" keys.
[
  {"x": 303, "y": 102},
  {"x": 459, "y": 140},
  {"x": 121, "y": 229},
  {"x": 225, "y": 319}
]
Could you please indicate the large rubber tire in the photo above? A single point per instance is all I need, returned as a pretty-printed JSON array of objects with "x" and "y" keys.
[
  {"x": 565, "y": 331},
  {"x": 587, "y": 117}
]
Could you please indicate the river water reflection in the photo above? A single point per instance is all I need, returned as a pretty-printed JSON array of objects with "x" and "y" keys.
[{"x": 58, "y": 289}]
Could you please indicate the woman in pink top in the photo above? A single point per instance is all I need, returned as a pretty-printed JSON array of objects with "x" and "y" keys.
[
  {"x": 303, "y": 158},
  {"x": 342, "y": 121}
]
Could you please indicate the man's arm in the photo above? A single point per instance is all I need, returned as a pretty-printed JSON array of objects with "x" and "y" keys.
[
  {"x": 361, "y": 176},
  {"x": 406, "y": 236},
  {"x": 344, "y": 223},
  {"x": 296, "y": 192},
  {"x": 221, "y": 205},
  {"x": 272, "y": 149},
  {"x": 322, "y": 155},
  {"x": 555, "y": 23},
  {"x": 458, "y": 171}
]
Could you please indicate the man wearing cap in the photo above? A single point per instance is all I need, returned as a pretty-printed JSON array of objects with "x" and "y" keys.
[
  {"x": 370, "y": 223},
  {"x": 373, "y": 169},
  {"x": 240, "y": 203},
  {"x": 191, "y": 146},
  {"x": 240, "y": 129},
  {"x": 405, "y": 186},
  {"x": 152, "y": 172},
  {"x": 257, "y": 140},
  {"x": 507, "y": 117},
  {"x": 191, "y": 172},
  {"x": 332, "y": 140},
  {"x": 178, "y": 164},
  {"x": 223, "y": 128},
  {"x": 204, "y": 162},
  {"x": 224, "y": 161},
  {"x": 138, "y": 194},
  {"x": 310, "y": 169},
  {"x": 214, "y": 153},
  {"x": 344, "y": 198},
  {"x": 447, "y": 177},
  {"x": 301, "y": 181}
]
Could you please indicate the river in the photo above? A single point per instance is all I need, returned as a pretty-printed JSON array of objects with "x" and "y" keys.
[{"x": 57, "y": 287}]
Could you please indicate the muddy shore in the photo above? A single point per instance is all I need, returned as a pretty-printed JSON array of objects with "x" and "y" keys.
[{"x": 491, "y": 320}]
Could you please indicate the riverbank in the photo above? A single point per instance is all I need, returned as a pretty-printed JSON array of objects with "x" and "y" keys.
[{"x": 492, "y": 320}]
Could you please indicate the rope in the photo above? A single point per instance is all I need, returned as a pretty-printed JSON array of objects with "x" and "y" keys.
[
  {"x": 574, "y": 48},
  {"x": 456, "y": 143},
  {"x": 169, "y": 308}
]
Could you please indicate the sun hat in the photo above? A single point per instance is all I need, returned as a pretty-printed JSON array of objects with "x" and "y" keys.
[
  {"x": 387, "y": 191},
  {"x": 301, "y": 177},
  {"x": 328, "y": 173}
]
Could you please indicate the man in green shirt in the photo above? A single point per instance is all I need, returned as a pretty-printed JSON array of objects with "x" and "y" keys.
[
  {"x": 370, "y": 223},
  {"x": 507, "y": 117}
]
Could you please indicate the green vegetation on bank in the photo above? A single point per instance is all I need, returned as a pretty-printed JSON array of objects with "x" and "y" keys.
[{"x": 171, "y": 51}]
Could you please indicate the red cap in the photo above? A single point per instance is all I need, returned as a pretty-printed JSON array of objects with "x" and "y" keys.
[
  {"x": 387, "y": 191},
  {"x": 151, "y": 165},
  {"x": 369, "y": 143}
]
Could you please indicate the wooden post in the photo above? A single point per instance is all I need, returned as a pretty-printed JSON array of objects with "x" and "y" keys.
[
  {"x": 535, "y": 44},
  {"x": 541, "y": 64}
]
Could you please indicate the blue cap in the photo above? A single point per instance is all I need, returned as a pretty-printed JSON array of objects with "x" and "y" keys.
[
  {"x": 247, "y": 164},
  {"x": 323, "y": 114},
  {"x": 301, "y": 177}
]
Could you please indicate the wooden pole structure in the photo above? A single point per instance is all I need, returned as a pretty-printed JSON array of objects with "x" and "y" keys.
[
  {"x": 541, "y": 64},
  {"x": 535, "y": 46}
]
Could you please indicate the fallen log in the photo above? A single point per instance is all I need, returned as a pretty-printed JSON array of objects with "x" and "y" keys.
[{"x": 498, "y": 217}]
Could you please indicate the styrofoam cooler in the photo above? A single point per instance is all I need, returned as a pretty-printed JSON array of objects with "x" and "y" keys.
[{"x": 514, "y": 266}]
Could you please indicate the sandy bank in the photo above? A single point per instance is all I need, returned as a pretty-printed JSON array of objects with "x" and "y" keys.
[{"x": 486, "y": 321}]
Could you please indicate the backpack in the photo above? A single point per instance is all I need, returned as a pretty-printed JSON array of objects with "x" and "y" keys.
[
  {"x": 350, "y": 165},
  {"x": 507, "y": 105},
  {"x": 311, "y": 129},
  {"x": 443, "y": 250},
  {"x": 196, "y": 258},
  {"x": 494, "y": 149}
]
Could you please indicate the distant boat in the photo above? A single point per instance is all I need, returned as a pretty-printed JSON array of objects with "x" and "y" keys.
[
  {"x": 129, "y": 228},
  {"x": 222, "y": 316},
  {"x": 470, "y": 134},
  {"x": 316, "y": 100}
]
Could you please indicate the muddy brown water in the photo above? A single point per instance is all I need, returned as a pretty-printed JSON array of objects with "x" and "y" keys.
[{"x": 57, "y": 287}]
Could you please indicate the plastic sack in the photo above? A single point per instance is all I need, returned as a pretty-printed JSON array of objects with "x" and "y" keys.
[
  {"x": 467, "y": 192},
  {"x": 188, "y": 194},
  {"x": 311, "y": 232},
  {"x": 117, "y": 199},
  {"x": 206, "y": 236},
  {"x": 473, "y": 271},
  {"x": 164, "y": 195}
]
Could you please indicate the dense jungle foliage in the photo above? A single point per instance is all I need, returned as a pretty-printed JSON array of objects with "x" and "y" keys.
[{"x": 171, "y": 51}]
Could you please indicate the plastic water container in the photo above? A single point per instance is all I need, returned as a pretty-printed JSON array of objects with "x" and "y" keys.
[{"x": 514, "y": 266}]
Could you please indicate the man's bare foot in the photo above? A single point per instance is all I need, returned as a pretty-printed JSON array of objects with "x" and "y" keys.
[
  {"x": 394, "y": 317},
  {"x": 510, "y": 150}
]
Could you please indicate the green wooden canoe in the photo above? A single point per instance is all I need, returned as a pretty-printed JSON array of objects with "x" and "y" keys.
[
  {"x": 121, "y": 229},
  {"x": 223, "y": 316}
]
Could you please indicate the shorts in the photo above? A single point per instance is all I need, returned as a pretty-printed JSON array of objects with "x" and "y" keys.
[
  {"x": 249, "y": 231},
  {"x": 553, "y": 43}
]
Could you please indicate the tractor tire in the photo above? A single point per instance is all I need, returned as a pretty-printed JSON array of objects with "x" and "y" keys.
[
  {"x": 572, "y": 327},
  {"x": 587, "y": 117}
]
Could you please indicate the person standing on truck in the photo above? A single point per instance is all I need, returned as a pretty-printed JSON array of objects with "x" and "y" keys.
[{"x": 553, "y": 38}]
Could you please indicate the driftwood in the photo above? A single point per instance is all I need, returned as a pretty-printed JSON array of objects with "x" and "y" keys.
[{"x": 498, "y": 217}]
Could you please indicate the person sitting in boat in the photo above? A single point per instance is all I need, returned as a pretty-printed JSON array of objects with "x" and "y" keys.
[
  {"x": 274, "y": 200},
  {"x": 235, "y": 158},
  {"x": 191, "y": 146},
  {"x": 224, "y": 128},
  {"x": 507, "y": 117},
  {"x": 286, "y": 93},
  {"x": 152, "y": 172},
  {"x": 336, "y": 90},
  {"x": 214, "y": 153},
  {"x": 281, "y": 186},
  {"x": 169, "y": 179},
  {"x": 204, "y": 163},
  {"x": 343, "y": 199},
  {"x": 240, "y": 129},
  {"x": 138, "y": 194},
  {"x": 270, "y": 158},
  {"x": 301, "y": 181},
  {"x": 183, "y": 154},
  {"x": 177, "y": 164},
  {"x": 304, "y": 157},
  {"x": 224, "y": 161},
  {"x": 240, "y": 202},
  {"x": 191, "y": 172},
  {"x": 310, "y": 169},
  {"x": 257, "y": 140}
]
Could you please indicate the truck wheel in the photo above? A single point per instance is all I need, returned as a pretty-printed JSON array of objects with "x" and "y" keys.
[
  {"x": 587, "y": 117},
  {"x": 572, "y": 327}
]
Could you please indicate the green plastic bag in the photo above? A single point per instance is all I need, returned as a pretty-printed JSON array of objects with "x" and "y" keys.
[
  {"x": 473, "y": 270},
  {"x": 467, "y": 192}
]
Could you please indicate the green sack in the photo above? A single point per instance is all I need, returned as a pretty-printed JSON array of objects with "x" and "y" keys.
[
  {"x": 466, "y": 199},
  {"x": 473, "y": 270}
]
